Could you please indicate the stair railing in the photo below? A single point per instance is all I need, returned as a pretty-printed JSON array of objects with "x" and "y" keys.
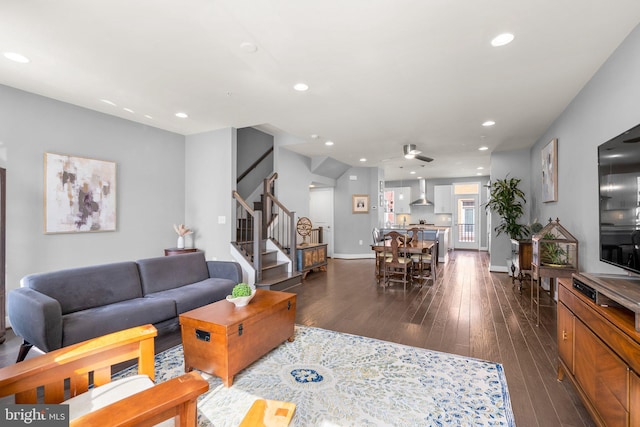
[
  {"x": 249, "y": 232},
  {"x": 278, "y": 221},
  {"x": 316, "y": 235}
]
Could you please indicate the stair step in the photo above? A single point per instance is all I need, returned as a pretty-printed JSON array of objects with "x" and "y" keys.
[
  {"x": 269, "y": 257},
  {"x": 274, "y": 270},
  {"x": 281, "y": 283}
]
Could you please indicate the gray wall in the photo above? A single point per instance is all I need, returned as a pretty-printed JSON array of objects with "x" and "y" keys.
[
  {"x": 352, "y": 228},
  {"x": 210, "y": 178},
  {"x": 607, "y": 106},
  {"x": 295, "y": 177},
  {"x": 150, "y": 183},
  {"x": 509, "y": 164},
  {"x": 251, "y": 145}
]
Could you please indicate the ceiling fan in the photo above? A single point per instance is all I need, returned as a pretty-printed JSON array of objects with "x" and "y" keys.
[{"x": 411, "y": 152}]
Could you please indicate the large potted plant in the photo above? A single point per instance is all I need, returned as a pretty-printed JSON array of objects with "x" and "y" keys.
[{"x": 507, "y": 200}]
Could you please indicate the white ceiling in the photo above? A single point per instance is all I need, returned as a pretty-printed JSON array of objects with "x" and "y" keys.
[{"x": 382, "y": 73}]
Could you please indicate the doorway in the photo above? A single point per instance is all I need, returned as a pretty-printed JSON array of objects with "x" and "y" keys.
[
  {"x": 466, "y": 233},
  {"x": 321, "y": 214}
]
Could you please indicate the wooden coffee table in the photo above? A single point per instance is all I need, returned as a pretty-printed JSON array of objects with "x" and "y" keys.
[{"x": 222, "y": 339}]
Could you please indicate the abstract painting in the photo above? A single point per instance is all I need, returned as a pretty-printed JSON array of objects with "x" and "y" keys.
[
  {"x": 550, "y": 172},
  {"x": 80, "y": 194}
]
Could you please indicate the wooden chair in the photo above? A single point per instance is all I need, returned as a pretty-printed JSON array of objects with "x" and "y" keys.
[
  {"x": 42, "y": 380},
  {"x": 424, "y": 263},
  {"x": 396, "y": 265}
]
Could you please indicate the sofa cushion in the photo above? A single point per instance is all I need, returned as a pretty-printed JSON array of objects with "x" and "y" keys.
[
  {"x": 163, "y": 273},
  {"x": 94, "y": 322},
  {"x": 87, "y": 287},
  {"x": 196, "y": 295}
]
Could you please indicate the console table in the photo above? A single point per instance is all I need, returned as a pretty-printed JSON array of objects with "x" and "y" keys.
[
  {"x": 178, "y": 251},
  {"x": 599, "y": 345},
  {"x": 310, "y": 256}
]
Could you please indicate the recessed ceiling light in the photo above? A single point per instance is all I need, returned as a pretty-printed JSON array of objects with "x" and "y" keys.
[
  {"x": 148, "y": 116},
  {"x": 182, "y": 115},
  {"x": 502, "y": 39},
  {"x": 488, "y": 123},
  {"x": 480, "y": 168},
  {"x": 329, "y": 143},
  {"x": 16, "y": 57},
  {"x": 314, "y": 136},
  {"x": 128, "y": 110},
  {"x": 479, "y": 173},
  {"x": 248, "y": 47},
  {"x": 483, "y": 148},
  {"x": 363, "y": 159},
  {"x": 106, "y": 101},
  {"x": 412, "y": 172},
  {"x": 301, "y": 87},
  {"x": 418, "y": 177}
]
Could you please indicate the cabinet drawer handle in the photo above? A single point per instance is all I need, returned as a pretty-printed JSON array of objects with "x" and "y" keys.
[{"x": 564, "y": 335}]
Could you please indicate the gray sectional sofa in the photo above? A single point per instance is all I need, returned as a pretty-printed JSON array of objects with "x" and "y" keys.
[{"x": 60, "y": 308}]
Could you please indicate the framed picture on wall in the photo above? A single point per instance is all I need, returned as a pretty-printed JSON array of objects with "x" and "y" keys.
[
  {"x": 360, "y": 203},
  {"x": 79, "y": 194},
  {"x": 550, "y": 171}
]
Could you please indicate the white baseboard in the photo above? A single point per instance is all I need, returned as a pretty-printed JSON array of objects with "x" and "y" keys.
[
  {"x": 498, "y": 269},
  {"x": 354, "y": 256}
]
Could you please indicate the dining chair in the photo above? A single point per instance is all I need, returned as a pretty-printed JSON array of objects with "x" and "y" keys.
[
  {"x": 377, "y": 238},
  {"x": 396, "y": 264},
  {"x": 425, "y": 263}
]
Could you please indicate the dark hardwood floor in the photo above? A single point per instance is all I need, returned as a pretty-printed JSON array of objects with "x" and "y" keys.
[{"x": 468, "y": 311}]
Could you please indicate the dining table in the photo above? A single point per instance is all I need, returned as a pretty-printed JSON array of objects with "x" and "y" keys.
[{"x": 407, "y": 245}]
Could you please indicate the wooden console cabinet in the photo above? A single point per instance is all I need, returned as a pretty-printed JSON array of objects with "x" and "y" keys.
[
  {"x": 313, "y": 255},
  {"x": 599, "y": 346}
]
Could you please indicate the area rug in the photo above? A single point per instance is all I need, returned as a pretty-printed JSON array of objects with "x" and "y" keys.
[{"x": 338, "y": 379}]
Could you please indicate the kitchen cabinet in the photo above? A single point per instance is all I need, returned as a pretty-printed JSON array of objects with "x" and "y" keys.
[{"x": 442, "y": 199}]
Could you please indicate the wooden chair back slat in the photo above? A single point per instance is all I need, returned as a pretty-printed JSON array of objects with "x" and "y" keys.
[
  {"x": 98, "y": 356},
  {"x": 78, "y": 384},
  {"x": 54, "y": 392}
]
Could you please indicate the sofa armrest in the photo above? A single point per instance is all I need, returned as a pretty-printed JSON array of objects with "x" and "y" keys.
[
  {"x": 225, "y": 270},
  {"x": 35, "y": 317}
]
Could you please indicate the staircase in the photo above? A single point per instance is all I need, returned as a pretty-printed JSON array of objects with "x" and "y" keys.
[{"x": 268, "y": 229}]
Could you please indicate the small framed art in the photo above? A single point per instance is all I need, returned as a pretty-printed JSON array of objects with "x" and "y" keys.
[{"x": 360, "y": 203}]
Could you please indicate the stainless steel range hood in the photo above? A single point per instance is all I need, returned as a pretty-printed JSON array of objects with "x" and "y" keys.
[{"x": 422, "y": 201}]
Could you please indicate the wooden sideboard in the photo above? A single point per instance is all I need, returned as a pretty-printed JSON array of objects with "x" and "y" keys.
[
  {"x": 599, "y": 346},
  {"x": 520, "y": 260},
  {"x": 313, "y": 255}
]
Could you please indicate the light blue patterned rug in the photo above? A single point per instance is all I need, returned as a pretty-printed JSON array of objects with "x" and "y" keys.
[{"x": 338, "y": 379}]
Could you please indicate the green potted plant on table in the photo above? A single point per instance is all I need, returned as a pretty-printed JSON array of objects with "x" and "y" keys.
[
  {"x": 507, "y": 200},
  {"x": 241, "y": 294}
]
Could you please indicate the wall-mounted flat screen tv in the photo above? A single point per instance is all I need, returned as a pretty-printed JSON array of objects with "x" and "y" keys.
[{"x": 619, "y": 187}]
